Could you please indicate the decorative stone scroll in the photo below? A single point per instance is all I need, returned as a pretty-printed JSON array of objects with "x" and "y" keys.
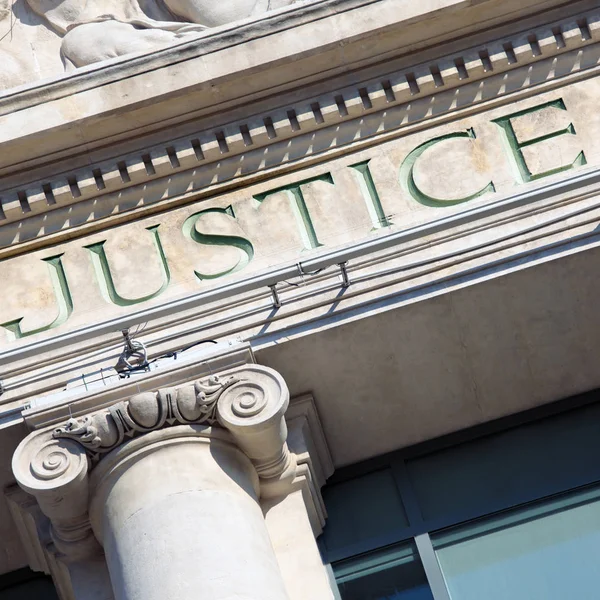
[
  {"x": 248, "y": 402},
  {"x": 253, "y": 411},
  {"x": 103, "y": 431},
  {"x": 55, "y": 472}
]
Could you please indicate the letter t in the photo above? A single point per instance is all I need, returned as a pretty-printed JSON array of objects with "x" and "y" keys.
[{"x": 301, "y": 212}]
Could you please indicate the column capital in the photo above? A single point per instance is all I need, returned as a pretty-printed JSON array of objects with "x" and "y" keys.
[
  {"x": 55, "y": 472},
  {"x": 248, "y": 401},
  {"x": 101, "y": 432}
]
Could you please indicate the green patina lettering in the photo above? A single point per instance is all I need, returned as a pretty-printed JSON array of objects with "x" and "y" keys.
[
  {"x": 301, "y": 212},
  {"x": 105, "y": 278},
  {"x": 61, "y": 293},
  {"x": 515, "y": 148},
  {"x": 370, "y": 195},
  {"x": 407, "y": 177},
  {"x": 242, "y": 244}
]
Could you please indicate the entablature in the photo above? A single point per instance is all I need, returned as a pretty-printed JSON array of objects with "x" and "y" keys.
[{"x": 208, "y": 151}]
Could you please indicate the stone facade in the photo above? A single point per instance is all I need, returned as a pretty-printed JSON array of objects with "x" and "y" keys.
[{"x": 366, "y": 206}]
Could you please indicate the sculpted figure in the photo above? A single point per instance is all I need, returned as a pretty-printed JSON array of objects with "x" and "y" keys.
[
  {"x": 97, "y": 30},
  {"x": 29, "y": 50}
]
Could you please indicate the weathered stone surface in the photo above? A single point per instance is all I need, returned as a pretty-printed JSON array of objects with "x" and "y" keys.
[
  {"x": 399, "y": 184},
  {"x": 139, "y": 182},
  {"x": 77, "y": 34}
]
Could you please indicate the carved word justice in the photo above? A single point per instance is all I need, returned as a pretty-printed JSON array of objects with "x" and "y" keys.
[{"x": 304, "y": 219}]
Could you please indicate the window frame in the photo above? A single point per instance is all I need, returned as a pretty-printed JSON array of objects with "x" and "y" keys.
[{"x": 419, "y": 530}]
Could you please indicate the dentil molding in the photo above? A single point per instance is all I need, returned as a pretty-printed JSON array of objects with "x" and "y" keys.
[{"x": 197, "y": 161}]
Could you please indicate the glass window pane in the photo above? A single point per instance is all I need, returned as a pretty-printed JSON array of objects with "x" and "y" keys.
[
  {"x": 364, "y": 509},
  {"x": 545, "y": 552},
  {"x": 390, "y": 574},
  {"x": 503, "y": 470}
]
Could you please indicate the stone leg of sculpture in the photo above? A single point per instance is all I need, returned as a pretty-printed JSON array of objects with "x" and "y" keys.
[{"x": 94, "y": 42}]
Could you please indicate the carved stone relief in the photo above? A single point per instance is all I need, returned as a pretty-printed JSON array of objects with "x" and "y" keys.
[
  {"x": 103, "y": 431},
  {"x": 250, "y": 398},
  {"x": 40, "y": 38},
  {"x": 246, "y": 407}
]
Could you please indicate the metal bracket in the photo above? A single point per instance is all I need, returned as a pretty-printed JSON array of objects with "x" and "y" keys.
[
  {"x": 135, "y": 350},
  {"x": 344, "y": 272},
  {"x": 275, "y": 295}
]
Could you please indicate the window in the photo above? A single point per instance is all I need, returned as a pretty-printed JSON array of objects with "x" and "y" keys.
[
  {"x": 544, "y": 552},
  {"x": 368, "y": 507},
  {"x": 506, "y": 511},
  {"x": 391, "y": 574}
]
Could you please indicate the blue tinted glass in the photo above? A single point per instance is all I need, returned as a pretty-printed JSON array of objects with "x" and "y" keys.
[
  {"x": 390, "y": 574},
  {"x": 546, "y": 552},
  {"x": 509, "y": 468},
  {"x": 361, "y": 510}
]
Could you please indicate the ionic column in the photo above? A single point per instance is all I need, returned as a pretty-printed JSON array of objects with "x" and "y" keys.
[
  {"x": 55, "y": 472},
  {"x": 173, "y": 485}
]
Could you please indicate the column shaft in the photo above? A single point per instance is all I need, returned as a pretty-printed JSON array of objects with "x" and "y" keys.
[{"x": 178, "y": 516}]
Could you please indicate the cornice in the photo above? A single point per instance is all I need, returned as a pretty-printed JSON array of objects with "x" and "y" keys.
[
  {"x": 213, "y": 39},
  {"x": 407, "y": 13},
  {"x": 345, "y": 37},
  {"x": 207, "y": 162}
]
